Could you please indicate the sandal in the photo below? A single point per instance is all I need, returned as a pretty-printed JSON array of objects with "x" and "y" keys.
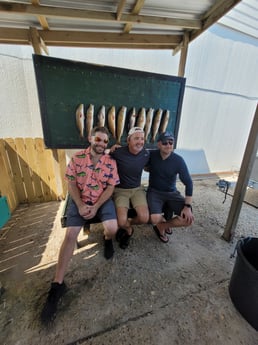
[
  {"x": 169, "y": 231},
  {"x": 163, "y": 238}
]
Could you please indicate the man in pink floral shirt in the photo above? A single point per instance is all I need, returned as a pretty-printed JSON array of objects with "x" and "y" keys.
[{"x": 92, "y": 176}]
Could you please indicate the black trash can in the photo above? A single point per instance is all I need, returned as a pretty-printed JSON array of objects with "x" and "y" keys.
[{"x": 243, "y": 286}]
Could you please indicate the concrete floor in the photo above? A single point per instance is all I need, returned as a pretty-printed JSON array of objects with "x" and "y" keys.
[{"x": 151, "y": 293}]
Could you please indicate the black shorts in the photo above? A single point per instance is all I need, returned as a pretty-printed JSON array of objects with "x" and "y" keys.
[
  {"x": 169, "y": 203},
  {"x": 106, "y": 212}
]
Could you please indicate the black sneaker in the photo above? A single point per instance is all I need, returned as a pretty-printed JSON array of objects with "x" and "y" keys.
[
  {"x": 125, "y": 240},
  {"x": 54, "y": 295},
  {"x": 108, "y": 249},
  {"x": 119, "y": 234}
]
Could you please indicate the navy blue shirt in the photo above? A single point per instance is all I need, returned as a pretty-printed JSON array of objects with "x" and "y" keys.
[
  {"x": 163, "y": 173},
  {"x": 130, "y": 166}
]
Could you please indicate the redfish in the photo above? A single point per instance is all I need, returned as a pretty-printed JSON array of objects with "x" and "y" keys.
[
  {"x": 112, "y": 121},
  {"x": 89, "y": 119},
  {"x": 80, "y": 119},
  {"x": 132, "y": 118},
  {"x": 156, "y": 123},
  {"x": 141, "y": 119},
  {"x": 148, "y": 124},
  {"x": 121, "y": 123},
  {"x": 101, "y": 117},
  {"x": 164, "y": 122}
]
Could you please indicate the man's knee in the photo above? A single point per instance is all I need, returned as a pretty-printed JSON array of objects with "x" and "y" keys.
[
  {"x": 72, "y": 233},
  {"x": 110, "y": 228},
  {"x": 110, "y": 232},
  {"x": 142, "y": 214},
  {"x": 155, "y": 218},
  {"x": 143, "y": 217}
]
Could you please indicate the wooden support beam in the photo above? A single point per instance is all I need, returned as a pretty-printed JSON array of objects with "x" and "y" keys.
[
  {"x": 120, "y": 8},
  {"x": 43, "y": 46},
  {"x": 178, "y": 48},
  {"x": 218, "y": 10},
  {"x": 183, "y": 56},
  {"x": 136, "y": 9},
  {"x": 89, "y": 39},
  {"x": 35, "y": 40},
  {"x": 42, "y": 19},
  {"x": 243, "y": 178}
]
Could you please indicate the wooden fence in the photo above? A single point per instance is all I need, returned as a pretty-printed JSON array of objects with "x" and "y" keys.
[{"x": 30, "y": 172}]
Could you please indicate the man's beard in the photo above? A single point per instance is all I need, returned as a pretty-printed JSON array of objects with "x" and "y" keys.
[{"x": 98, "y": 149}]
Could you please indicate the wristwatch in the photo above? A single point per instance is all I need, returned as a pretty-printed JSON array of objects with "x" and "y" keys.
[{"x": 188, "y": 205}]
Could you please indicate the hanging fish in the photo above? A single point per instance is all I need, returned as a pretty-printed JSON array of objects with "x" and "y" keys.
[
  {"x": 80, "y": 119},
  {"x": 148, "y": 124},
  {"x": 89, "y": 119},
  {"x": 141, "y": 119},
  {"x": 164, "y": 122},
  {"x": 132, "y": 118},
  {"x": 112, "y": 121},
  {"x": 121, "y": 123},
  {"x": 156, "y": 123},
  {"x": 101, "y": 117}
]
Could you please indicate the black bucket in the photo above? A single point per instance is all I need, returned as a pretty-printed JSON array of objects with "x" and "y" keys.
[{"x": 243, "y": 286}]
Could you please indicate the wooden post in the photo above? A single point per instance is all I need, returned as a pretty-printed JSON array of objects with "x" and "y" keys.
[
  {"x": 242, "y": 182},
  {"x": 37, "y": 42},
  {"x": 183, "y": 55}
]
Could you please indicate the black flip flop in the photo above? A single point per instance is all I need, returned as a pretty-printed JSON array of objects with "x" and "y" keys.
[{"x": 161, "y": 237}]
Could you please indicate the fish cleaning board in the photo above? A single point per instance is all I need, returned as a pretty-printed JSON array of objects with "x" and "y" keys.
[{"x": 76, "y": 96}]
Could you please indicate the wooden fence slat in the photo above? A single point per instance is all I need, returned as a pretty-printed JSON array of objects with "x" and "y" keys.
[
  {"x": 35, "y": 171},
  {"x": 17, "y": 175},
  {"x": 25, "y": 168},
  {"x": 7, "y": 186},
  {"x": 43, "y": 168},
  {"x": 51, "y": 174}
]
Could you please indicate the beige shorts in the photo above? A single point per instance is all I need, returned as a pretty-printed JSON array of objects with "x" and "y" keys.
[{"x": 132, "y": 197}]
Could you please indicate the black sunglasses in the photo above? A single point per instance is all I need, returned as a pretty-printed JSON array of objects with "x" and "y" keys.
[{"x": 168, "y": 142}]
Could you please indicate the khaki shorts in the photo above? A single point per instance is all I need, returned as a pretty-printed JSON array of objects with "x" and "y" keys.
[{"x": 128, "y": 198}]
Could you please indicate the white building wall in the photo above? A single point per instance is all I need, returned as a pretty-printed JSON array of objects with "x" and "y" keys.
[{"x": 219, "y": 102}]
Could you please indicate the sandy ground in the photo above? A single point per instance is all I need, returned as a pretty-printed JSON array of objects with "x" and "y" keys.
[{"x": 151, "y": 293}]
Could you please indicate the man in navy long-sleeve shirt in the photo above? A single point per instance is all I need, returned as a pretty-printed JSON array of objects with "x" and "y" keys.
[{"x": 162, "y": 195}]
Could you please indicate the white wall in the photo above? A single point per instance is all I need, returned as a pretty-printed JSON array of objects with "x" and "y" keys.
[
  {"x": 220, "y": 99},
  {"x": 219, "y": 103}
]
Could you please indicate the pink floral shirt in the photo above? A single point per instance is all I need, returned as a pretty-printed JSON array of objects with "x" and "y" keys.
[{"x": 90, "y": 180}]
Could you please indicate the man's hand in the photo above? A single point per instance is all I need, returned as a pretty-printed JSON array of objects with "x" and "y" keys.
[
  {"x": 88, "y": 211},
  {"x": 114, "y": 147},
  {"x": 187, "y": 215}
]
